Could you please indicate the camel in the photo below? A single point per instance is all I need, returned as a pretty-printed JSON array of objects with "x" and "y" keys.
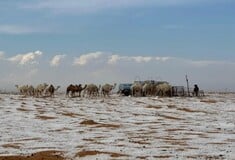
[
  {"x": 164, "y": 89},
  {"x": 92, "y": 90},
  {"x": 136, "y": 89},
  {"x": 147, "y": 89},
  {"x": 22, "y": 89},
  {"x": 72, "y": 89},
  {"x": 40, "y": 89},
  {"x": 51, "y": 90},
  {"x": 107, "y": 88},
  {"x": 31, "y": 90}
]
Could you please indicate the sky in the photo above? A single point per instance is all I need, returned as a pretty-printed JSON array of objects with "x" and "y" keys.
[{"x": 106, "y": 41}]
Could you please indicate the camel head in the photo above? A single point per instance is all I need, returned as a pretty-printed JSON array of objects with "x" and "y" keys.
[{"x": 17, "y": 86}]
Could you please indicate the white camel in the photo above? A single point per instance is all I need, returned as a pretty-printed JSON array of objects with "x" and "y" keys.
[
  {"x": 40, "y": 89},
  {"x": 136, "y": 89},
  {"x": 164, "y": 89},
  {"x": 91, "y": 90},
  {"x": 22, "y": 89},
  {"x": 30, "y": 90},
  {"x": 147, "y": 89},
  {"x": 107, "y": 88}
]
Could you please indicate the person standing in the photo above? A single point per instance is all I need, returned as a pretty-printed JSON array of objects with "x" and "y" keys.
[{"x": 196, "y": 90}]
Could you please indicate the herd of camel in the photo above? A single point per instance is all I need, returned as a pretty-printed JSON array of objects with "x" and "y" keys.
[
  {"x": 92, "y": 90},
  {"x": 45, "y": 90}
]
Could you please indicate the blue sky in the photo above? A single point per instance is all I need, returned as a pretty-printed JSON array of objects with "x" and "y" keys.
[{"x": 186, "y": 31}]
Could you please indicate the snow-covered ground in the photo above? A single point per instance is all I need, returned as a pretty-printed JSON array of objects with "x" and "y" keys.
[{"x": 120, "y": 127}]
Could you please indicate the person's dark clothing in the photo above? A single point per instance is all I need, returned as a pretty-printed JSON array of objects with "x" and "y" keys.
[{"x": 196, "y": 90}]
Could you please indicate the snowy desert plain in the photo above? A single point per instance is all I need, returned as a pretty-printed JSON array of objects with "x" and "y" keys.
[{"x": 119, "y": 127}]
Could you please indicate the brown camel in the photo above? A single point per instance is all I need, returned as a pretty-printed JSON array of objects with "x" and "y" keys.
[
  {"x": 72, "y": 89},
  {"x": 51, "y": 90}
]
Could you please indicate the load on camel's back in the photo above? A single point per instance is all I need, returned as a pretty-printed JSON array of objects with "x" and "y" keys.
[{"x": 164, "y": 90}]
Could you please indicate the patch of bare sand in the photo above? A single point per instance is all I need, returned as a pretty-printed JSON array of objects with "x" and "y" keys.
[
  {"x": 60, "y": 130},
  {"x": 217, "y": 143},
  {"x": 208, "y": 101},
  {"x": 142, "y": 157},
  {"x": 152, "y": 106},
  {"x": 176, "y": 142},
  {"x": 170, "y": 117},
  {"x": 85, "y": 153},
  {"x": 29, "y": 139},
  {"x": 140, "y": 142},
  {"x": 193, "y": 111},
  {"x": 171, "y": 106},
  {"x": 163, "y": 157},
  {"x": 12, "y": 145},
  {"x": 99, "y": 125},
  {"x": 230, "y": 140},
  {"x": 44, "y": 155},
  {"x": 207, "y": 157},
  {"x": 45, "y": 117},
  {"x": 94, "y": 141},
  {"x": 23, "y": 109},
  {"x": 175, "y": 129},
  {"x": 70, "y": 114},
  {"x": 140, "y": 102}
]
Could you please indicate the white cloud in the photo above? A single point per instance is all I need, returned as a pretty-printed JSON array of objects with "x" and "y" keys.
[
  {"x": 28, "y": 58},
  {"x": 85, "y": 58},
  {"x": 114, "y": 59},
  {"x": 207, "y": 73},
  {"x": 163, "y": 59},
  {"x": 141, "y": 59},
  {"x": 56, "y": 60},
  {"x": 16, "y": 29}
]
